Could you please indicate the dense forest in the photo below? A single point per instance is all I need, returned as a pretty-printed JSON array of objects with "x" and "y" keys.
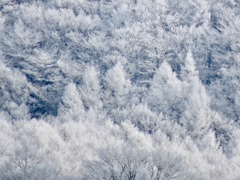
[{"x": 119, "y": 89}]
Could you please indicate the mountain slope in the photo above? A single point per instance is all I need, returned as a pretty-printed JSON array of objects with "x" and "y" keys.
[{"x": 119, "y": 89}]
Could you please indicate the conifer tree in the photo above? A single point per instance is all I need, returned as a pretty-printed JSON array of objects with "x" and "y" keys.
[
  {"x": 165, "y": 95},
  {"x": 71, "y": 107}
]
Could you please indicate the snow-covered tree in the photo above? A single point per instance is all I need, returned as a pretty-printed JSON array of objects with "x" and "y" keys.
[
  {"x": 166, "y": 93},
  {"x": 14, "y": 90},
  {"x": 91, "y": 89},
  {"x": 71, "y": 107}
]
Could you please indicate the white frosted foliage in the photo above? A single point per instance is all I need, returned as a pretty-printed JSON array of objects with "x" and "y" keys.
[
  {"x": 117, "y": 80},
  {"x": 189, "y": 69},
  {"x": 119, "y": 89},
  {"x": 71, "y": 107}
]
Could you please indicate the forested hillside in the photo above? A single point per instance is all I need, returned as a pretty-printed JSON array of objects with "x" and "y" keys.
[{"x": 119, "y": 89}]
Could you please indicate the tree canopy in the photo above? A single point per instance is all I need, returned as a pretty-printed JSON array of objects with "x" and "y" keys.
[{"x": 119, "y": 89}]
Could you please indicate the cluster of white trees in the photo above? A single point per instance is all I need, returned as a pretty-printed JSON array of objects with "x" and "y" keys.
[
  {"x": 110, "y": 89},
  {"x": 88, "y": 150}
]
